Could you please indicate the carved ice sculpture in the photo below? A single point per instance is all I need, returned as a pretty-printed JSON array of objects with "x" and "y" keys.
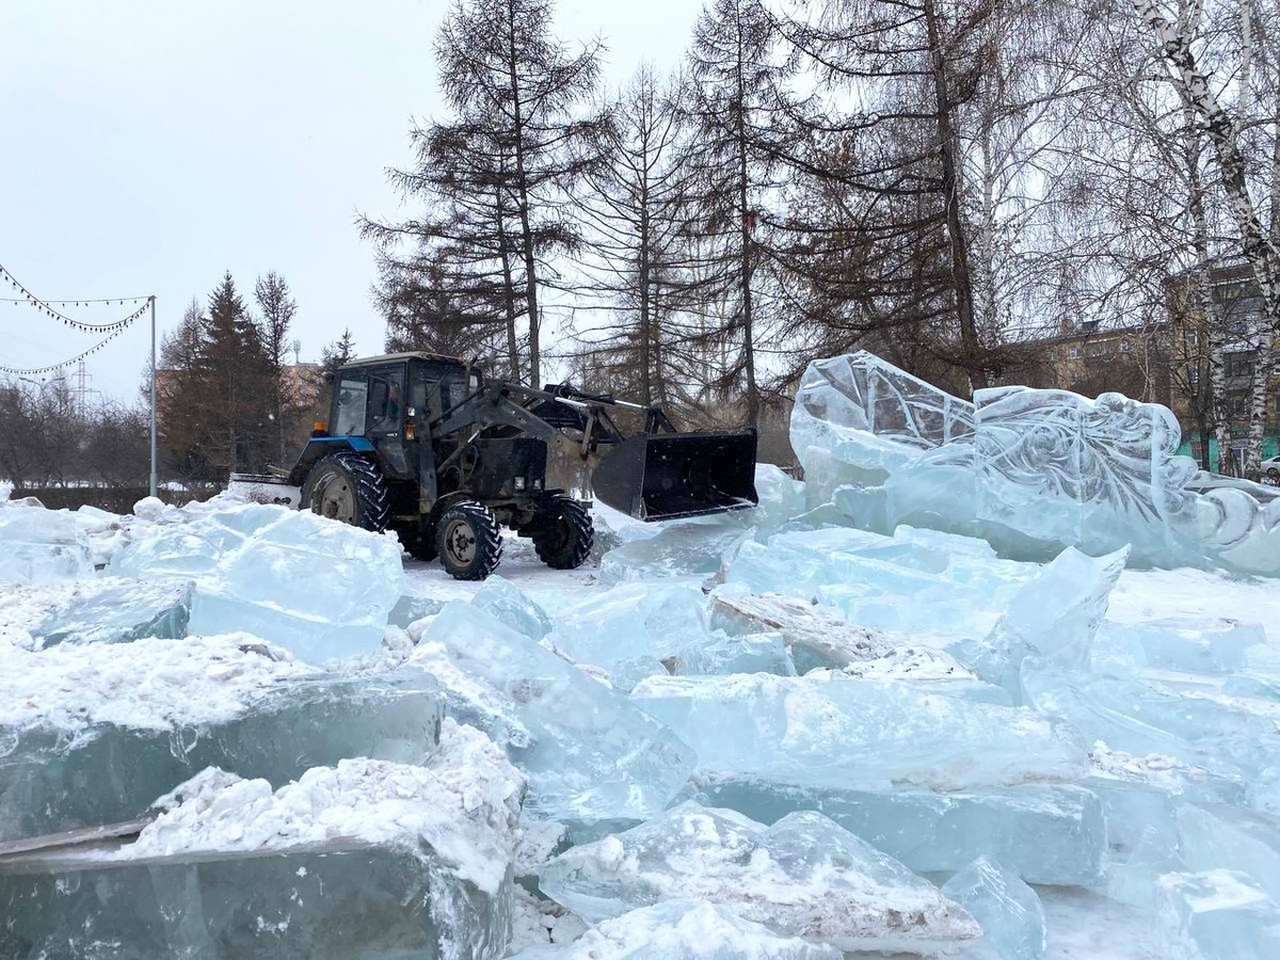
[{"x": 1029, "y": 470}]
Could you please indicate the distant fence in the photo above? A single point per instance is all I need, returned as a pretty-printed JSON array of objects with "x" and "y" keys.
[{"x": 113, "y": 499}]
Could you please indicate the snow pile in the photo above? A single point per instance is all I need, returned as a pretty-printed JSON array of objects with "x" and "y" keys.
[
  {"x": 150, "y": 683},
  {"x": 464, "y": 803},
  {"x": 95, "y": 610}
]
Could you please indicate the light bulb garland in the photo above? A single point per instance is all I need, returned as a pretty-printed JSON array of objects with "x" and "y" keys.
[
  {"x": 117, "y": 329},
  {"x": 46, "y": 307}
]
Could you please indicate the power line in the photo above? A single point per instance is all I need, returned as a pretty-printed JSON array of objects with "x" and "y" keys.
[{"x": 44, "y": 307}]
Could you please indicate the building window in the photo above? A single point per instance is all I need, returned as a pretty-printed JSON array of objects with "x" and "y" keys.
[
  {"x": 1238, "y": 365},
  {"x": 1095, "y": 350},
  {"x": 1074, "y": 353},
  {"x": 1126, "y": 346}
]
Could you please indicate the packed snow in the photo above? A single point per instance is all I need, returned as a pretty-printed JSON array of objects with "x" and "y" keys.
[{"x": 928, "y": 700}]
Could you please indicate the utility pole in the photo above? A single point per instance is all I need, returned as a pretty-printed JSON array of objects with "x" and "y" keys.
[{"x": 154, "y": 485}]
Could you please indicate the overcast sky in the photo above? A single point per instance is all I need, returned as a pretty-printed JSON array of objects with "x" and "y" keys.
[{"x": 147, "y": 147}]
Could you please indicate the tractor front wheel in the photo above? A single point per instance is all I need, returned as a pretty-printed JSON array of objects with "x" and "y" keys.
[
  {"x": 468, "y": 540},
  {"x": 564, "y": 534},
  {"x": 347, "y": 487}
]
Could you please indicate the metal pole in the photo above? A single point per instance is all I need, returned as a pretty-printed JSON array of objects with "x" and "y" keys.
[{"x": 153, "y": 395}]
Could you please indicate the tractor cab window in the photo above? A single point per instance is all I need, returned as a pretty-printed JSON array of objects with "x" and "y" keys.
[
  {"x": 386, "y": 402},
  {"x": 437, "y": 390},
  {"x": 352, "y": 396}
]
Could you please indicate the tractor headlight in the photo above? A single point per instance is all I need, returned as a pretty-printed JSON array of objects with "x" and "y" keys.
[
  {"x": 519, "y": 484},
  {"x": 537, "y": 483}
]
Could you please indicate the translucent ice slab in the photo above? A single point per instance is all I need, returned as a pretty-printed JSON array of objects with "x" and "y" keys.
[
  {"x": 1029, "y": 470},
  {"x": 1174, "y": 711},
  {"x": 96, "y": 610},
  {"x": 366, "y": 859},
  {"x": 39, "y": 545},
  {"x": 591, "y": 753},
  {"x": 682, "y": 930},
  {"x": 1053, "y": 617},
  {"x": 858, "y": 734},
  {"x": 682, "y": 549},
  {"x": 1218, "y": 915},
  {"x": 91, "y": 735},
  {"x": 633, "y": 620},
  {"x": 1009, "y": 911},
  {"x": 320, "y": 589},
  {"x": 1220, "y": 836},
  {"x": 803, "y": 876},
  {"x": 1052, "y": 834},
  {"x": 509, "y": 604},
  {"x": 1188, "y": 645},
  {"x": 864, "y": 576}
]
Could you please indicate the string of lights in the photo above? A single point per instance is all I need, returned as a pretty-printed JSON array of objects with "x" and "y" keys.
[
  {"x": 46, "y": 307},
  {"x": 119, "y": 328}
]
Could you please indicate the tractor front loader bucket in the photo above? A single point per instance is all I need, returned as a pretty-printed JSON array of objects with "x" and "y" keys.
[{"x": 671, "y": 475}]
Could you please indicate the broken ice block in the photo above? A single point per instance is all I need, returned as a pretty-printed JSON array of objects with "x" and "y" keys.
[
  {"x": 1213, "y": 836},
  {"x": 1138, "y": 793},
  {"x": 632, "y": 620},
  {"x": 1112, "y": 710},
  {"x": 1218, "y": 915},
  {"x": 1045, "y": 833},
  {"x": 818, "y": 636},
  {"x": 39, "y": 545},
  {"x": 691, "y": 548},
  {"x": 509, "y": 604},
  {"x": 858, "y": 734},
  {"x": 803, "y": 876},
  {"x": 320, "y": 589},
  {"x": 1008, "y": 911},
  {"x": 1191, "y": 645},
  {"x": 97, "y": 610},
  {"x": 366, "y": 859},
  {"x": 592, "y": 754},
  {"x": 782, "y": 498},
  {"x": 680, "y": 929},
  {"x": 1053, "y": 617},
  {"x": 723, "y": 654},
  {"x": 92, "y": 734}
]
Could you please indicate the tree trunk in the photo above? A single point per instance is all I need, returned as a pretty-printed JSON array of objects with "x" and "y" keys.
[
  {"x": 522, "y": 204},
  {"x": 746, "y": 223},
  {"x": 962, "y": 282}
]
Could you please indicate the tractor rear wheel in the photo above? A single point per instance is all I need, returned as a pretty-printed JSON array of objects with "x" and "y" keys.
[
  {"x": 347, "y": 487},
  {"x": 468, "y": 540},
  {"x": 564, "y": 534}
]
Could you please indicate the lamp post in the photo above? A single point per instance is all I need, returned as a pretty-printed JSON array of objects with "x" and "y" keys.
[{"x": 153, "y": 487}]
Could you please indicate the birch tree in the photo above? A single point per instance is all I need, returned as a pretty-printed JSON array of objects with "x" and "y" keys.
[{"x": 1177, "y": 38}]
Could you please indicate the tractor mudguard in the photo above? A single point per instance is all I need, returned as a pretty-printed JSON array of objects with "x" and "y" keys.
[
  {"x": 671, "y": 475},
  {"x": 318, "y": 448}
]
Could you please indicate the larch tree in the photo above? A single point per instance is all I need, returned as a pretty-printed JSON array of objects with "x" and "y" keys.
[
  {"x": 495, "y": 177},
  {"x": 738, "y": 121},
  {"x": 635, "y": 270}
]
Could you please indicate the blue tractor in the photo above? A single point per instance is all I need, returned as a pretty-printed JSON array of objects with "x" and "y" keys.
[{"x": 427, "y": 446}]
